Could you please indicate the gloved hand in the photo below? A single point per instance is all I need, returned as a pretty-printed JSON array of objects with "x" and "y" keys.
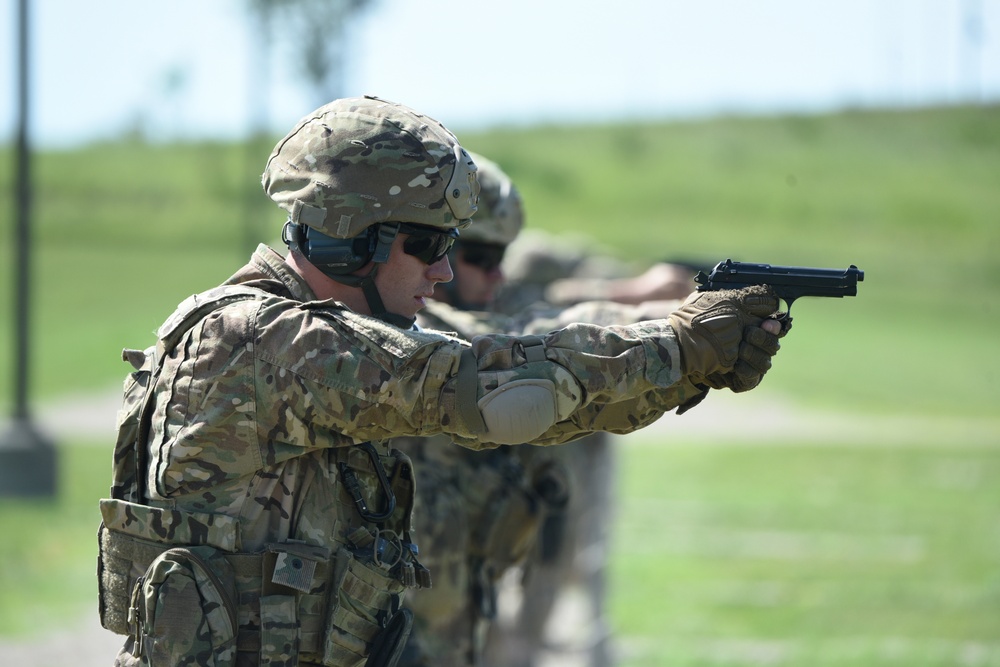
[
  {"x": 756, "y": 350},
  {"x": 721, "y": 341}
]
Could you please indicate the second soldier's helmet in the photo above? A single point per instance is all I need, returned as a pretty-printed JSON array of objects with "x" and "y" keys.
[
  {"x": 358, "y": 162},
  {"x": 501, "y": 214}
]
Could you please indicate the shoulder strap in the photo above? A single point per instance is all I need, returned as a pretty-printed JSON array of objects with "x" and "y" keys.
[
  {"x": 188, "y": 313},
  {"x": 192, "y": 309}
]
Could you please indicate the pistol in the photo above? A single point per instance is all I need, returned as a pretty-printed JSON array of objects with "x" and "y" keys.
[{"x": 788, "y": 282}]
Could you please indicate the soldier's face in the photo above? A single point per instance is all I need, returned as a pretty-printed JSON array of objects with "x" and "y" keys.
[
  {"x": 405, "y": 282},
  {"x": 476, "y": 285}
]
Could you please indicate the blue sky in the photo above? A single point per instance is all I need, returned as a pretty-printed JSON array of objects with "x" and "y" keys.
[{"x": 183, "y": 69}]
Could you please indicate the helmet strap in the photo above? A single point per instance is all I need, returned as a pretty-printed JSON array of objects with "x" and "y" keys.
[
  {"x": 291, "y": 234},
  {"x": 386, "y": 233},
  {"x": 374, "y": 299}
]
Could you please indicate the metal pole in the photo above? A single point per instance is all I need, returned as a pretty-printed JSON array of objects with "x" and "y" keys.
[
  {"x": 22, "y": 204},
  {"x": 27, "y": 460}
]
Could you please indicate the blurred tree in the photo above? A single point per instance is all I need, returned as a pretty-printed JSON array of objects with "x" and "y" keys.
[{"x": 315, "y": 31}]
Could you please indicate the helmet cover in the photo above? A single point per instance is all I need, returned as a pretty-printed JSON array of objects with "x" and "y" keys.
[
  {"x": 357, "y": 162},
  {"x": 501, "y": 215}
]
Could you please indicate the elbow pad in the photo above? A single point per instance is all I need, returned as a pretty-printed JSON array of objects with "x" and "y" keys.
[
  {"x": 519, "y": 411},
  {"x": 522, "y": 409}
]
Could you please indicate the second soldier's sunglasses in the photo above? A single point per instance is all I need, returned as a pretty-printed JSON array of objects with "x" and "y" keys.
[
  {"x": 485, "y": 256},
  {"x": 428, "y": 244}
]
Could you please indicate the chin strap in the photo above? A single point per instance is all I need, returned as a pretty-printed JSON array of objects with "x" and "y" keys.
[
  {"x": 368, "y": 288},
  {"x": 387, "y": 232}
]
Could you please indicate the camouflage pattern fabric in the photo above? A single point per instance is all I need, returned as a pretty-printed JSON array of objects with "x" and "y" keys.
[
  {"x": 262, "y": 399},
  {"x": 186, "y": 606},
  {"x": 467, "y": 503},
  {"x": 385, "y": 162},
  {"x": 569, "y": 559},
  {"x": 478, "y": 517},
  {"x": 567, "y": 566},
  {"x": 457, "y": 503}
]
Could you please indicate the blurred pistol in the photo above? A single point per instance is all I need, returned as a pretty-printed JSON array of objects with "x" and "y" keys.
[{"x": 788, "y": 282}]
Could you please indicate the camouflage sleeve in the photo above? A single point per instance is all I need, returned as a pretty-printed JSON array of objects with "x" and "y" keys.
[
  {"x": 439, "y": 316},
  {"x": 617, "y": 378},
  {"x": 540, "y": 320},
  {"x": 330, "y": 369},
  {"x": 321, "y": 368},
  {"x": 623, "y": 416}
]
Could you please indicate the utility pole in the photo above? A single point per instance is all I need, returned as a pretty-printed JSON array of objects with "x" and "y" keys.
[{"x": 27, "y": 460}]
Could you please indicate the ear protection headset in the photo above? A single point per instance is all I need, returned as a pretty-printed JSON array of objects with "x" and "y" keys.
[
  {"x": 340, "y": 258},
  {"x": 334, "y": 257}
]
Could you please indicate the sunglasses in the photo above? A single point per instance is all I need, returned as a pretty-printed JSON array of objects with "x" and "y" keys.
[
  {"x": 485, "y": 256},
  {"x": 428, "y": 244}
]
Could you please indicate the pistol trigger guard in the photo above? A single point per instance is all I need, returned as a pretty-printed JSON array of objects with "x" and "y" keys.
[{"x": 785, "y": 319}]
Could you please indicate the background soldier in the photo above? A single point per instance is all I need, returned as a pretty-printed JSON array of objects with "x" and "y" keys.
[
  {"x": 478, "y": 514},
  {"x": 476, "y": 511},
  {"x": 567, "y": 565},
  {"x": 257, "y": 515}
]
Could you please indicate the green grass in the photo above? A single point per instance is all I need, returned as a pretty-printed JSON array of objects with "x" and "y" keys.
[
  {"x": 48, "y": 554},
  {"x": 823, "y": 555}
]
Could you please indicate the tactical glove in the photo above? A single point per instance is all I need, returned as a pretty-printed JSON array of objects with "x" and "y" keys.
[
  {"x": 756, "y": 350},
  {"x": 718, "y": 339}
]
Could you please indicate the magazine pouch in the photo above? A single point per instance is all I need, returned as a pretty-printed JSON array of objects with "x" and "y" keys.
[
  {"x": 183, "y": 611},
  {"x": 363, "y": 595}
]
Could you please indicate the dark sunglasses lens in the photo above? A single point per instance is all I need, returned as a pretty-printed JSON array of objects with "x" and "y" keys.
[
  {"x": 486, "y": 258},
  {"x": 427, "y": 246}
]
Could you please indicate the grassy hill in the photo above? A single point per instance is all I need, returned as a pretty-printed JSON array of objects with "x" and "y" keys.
[{"x": 124, "y": 231}]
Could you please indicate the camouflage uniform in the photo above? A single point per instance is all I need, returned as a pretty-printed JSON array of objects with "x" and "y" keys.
[
  {"x": 478, "y": 514},
  {"x": 570, "y": 555},
  {"x": 251, "y": 523}
]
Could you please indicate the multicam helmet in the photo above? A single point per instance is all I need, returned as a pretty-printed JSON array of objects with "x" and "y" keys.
[
  {"x": 500, "y": 216},
  {"x": 361, "y": 161}
]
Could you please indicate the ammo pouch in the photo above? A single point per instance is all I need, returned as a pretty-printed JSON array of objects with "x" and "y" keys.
[
  {"x": 178, "y": 603},
  {"x": 184, "y": 605}
]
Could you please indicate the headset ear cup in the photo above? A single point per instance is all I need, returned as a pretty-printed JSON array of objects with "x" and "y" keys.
[{"x": 337, "y": 257}]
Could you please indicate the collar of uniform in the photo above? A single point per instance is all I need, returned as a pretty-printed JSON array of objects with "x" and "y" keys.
[{"x": 270, "y": 263}]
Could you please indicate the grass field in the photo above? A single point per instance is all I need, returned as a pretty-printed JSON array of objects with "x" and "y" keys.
[
  {"x": 877, "y": 551},
  {"x": 821, "y": 555}
]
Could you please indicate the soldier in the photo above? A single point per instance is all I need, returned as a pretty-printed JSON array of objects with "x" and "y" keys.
[
  {"x": 567, "y": 564},
  {"x": 478, "y": 514},
  {"x": 256, "y": 515}
]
